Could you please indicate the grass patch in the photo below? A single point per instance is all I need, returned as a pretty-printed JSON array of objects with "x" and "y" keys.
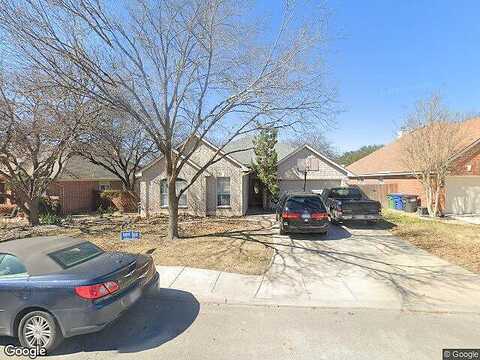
[
  {"x": 452, "y": 241},
  {"x": 232, "y": 245}
]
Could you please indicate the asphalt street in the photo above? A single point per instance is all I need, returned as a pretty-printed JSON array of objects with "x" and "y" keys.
[{"x": 176, "y": 326}]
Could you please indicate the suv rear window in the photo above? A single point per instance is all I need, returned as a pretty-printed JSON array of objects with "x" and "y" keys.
[
  {"x": 75, "y": 255},
  {"x": 305, "y": 202},
  {"x": 346, "y": 193}
]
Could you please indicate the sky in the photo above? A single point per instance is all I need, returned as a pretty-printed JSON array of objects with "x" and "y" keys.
[{"x": 384, "y": 55}]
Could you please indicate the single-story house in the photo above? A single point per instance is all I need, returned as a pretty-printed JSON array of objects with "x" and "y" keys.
[
  {"x": 78, "y": 186},
  {"x": 462, "y": 187},
  {"x": 229, "y": 187}
]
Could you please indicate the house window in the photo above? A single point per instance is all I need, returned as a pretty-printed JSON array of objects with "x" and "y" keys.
[
  {"x": 104, "y": 186},
  {"x": 223, "y": 191},
  {"x": 179, "y": 185}
]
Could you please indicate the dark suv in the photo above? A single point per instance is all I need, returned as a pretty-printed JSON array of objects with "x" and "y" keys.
[{"x": 302, "y": 213}]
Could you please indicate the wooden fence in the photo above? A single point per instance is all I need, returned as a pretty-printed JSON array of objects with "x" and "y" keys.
[{"x": 379, "y": 192}]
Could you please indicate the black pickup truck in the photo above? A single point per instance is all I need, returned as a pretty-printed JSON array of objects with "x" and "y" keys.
[{"x": 350, "y": 203}]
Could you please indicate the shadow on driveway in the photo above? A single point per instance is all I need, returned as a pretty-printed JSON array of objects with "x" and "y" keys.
[
  {"x": 160, "y": 316},
  {"x": 334, "y": 233}
]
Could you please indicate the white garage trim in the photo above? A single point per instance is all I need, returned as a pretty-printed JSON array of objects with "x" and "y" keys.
[{"x": 462, "y": 195}]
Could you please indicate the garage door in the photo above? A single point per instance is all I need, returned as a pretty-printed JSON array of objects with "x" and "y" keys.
[
  {"x": 463, "y": 195},
  {"x": 297, "y": 185}
]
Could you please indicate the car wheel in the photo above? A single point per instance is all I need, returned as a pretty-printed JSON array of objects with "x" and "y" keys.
[{"x": 39, "y": 329}]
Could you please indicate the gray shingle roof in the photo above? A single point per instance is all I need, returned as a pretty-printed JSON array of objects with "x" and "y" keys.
[
  {"x": 246, "y": 157},
  {"x": 78, "y": 168}
]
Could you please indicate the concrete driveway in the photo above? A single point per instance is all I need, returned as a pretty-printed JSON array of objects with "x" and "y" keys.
[
  {"x": 351, "y": 267},
  {"x": 364, "y": 267}
]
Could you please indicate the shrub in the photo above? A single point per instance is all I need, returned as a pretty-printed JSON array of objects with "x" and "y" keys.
[
  {"x": 48, "y": 205},
  {"x": 124, "y": 201},
  {"x": 50, "y": 219}
]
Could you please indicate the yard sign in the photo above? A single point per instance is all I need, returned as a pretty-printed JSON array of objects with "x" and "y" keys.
[{"x": 130, "y": 235}]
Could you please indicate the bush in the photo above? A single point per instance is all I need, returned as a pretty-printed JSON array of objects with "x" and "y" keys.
[
  {"x": 105, "y": 210},
  {"x": 50, "y": 219},
  {"x": 48, "y": 205},
  {"x": 124, "y": 201},
  {"x": 111, "y": 194}
]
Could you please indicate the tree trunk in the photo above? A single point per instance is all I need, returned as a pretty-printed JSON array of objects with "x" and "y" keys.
[
  {"x": 172, "y": 209},
  {"x": 437, "y": 196},
  {"x": 33, "y": 212},
  {"x": 429, "y": 198}
]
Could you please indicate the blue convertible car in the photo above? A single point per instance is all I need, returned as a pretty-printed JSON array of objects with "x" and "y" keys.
[{"x": 56, "y": 287}]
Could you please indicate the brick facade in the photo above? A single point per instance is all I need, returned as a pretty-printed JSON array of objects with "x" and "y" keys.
[
  {"x": 469, "y": 164},
  {"x": 79, "y": 196}
]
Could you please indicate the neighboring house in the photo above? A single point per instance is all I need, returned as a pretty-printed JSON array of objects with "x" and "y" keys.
[
  {"x": 79, "y": 184},
  {"x": 229, "y": 187},
  {"x": 462, "y": 188}
]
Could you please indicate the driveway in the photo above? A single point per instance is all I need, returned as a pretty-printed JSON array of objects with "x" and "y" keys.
[
  {"x": 366, "y": 267},
  {"x": 351, "y": 267}
]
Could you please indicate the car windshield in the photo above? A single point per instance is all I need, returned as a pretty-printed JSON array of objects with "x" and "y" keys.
[
  {"x": 75, "y": 255},
  {"x": 346, "y": 193},
  {"x": 304, "y": 202}
]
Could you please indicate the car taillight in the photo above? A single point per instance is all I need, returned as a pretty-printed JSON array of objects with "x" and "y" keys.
[
  {"x": 92, "y": 292},
  {"x": 319, "y": 216},
  {"x": 288, "y": 215}
]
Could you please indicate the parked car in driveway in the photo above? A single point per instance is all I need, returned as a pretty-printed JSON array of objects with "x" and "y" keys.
[
  {"x": 350, "y": 203},
  {"x": 56, "y": 287},
  {"x": 302, "y": 213}
]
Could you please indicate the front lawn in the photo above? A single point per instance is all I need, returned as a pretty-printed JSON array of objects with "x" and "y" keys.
[
  {"x": 455, "y": 242},
  {"x": 232, "y": 245}
]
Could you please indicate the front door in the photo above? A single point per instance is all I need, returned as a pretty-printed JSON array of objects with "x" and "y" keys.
[{"x": 255, "y": 196}]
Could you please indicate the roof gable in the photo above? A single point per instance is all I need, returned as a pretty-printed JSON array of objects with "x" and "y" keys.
[{"x": 318, "y": 154}]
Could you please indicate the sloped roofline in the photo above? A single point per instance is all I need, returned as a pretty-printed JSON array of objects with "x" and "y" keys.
[
  {"x": 320, "y": 155},
  {"x": 198, "y": 167},
  {"x": 225, "y": 155},
  {"x": 154, "y": 161}
]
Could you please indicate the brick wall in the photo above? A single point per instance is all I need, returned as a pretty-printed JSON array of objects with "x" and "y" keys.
[
  {"x": 78, "y": 196},
  {"x": 469, "y": 164}
]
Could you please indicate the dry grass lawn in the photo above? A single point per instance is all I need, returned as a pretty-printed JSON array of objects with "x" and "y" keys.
[
  {"x": 455, "y": 242},
  {"x": 232, "y": 245}
]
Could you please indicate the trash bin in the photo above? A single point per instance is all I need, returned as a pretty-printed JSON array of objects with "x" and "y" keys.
[
  {"x": 410, "y": 203},
  {"x": 395, "y": 201},
  {"x": 390, "y": 202}
]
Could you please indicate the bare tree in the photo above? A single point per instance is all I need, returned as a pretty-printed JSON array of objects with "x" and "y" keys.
[
  {"x": 117, "y": 144},
  {"x": 38, "y": 125},
  {"x": 189, "y": 69},
  {"x": 432, "y": 138},
  {"x": 315, "y": 138}
]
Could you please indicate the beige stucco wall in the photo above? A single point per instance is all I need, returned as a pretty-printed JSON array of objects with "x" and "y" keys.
[
  {"x": 202, "y": 195},
  {"x": 150, "y": 191},
  {"x": 287, "y": 170},
  {"x": 223, "y": 168}
]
